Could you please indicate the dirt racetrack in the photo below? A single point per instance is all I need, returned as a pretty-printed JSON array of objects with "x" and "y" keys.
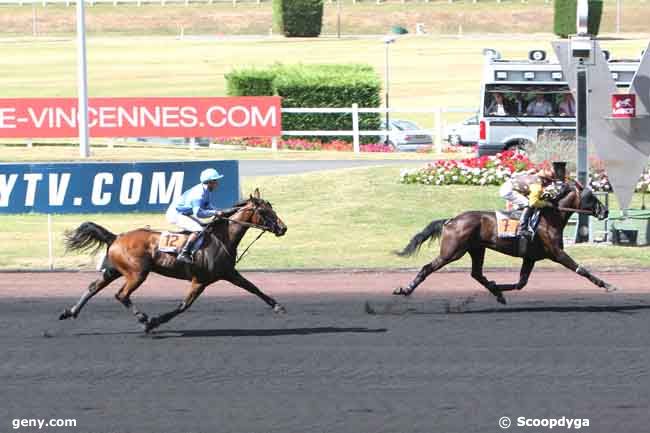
[{"x": 347, "y": 357}]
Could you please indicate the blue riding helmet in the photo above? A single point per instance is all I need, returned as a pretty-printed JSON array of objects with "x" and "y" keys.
[{"x": 210, "y": 174}]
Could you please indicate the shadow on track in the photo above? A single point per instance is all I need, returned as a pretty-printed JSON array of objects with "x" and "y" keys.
[
  {"x": 557, "y": 309},
  {"x": 192, "y": 333},
  {"x": 400, "y": 309}
]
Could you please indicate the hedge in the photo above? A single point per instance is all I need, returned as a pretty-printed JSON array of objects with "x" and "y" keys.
[
  {"x": 250, "y": 82},
  {"x": 564, "y": 22},
  {"x": 331, "y": 86},
  {"x": 298, "y": 18}
]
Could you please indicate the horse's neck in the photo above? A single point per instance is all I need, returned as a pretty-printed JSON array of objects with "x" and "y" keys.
[
  {"x": 566, "y": 215},
  {"x": 235, "y": 232}
]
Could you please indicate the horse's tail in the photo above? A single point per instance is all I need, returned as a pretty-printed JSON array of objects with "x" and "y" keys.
[
  {"x": 431, "y": 232},
  {"x": 88, "y": 237}
]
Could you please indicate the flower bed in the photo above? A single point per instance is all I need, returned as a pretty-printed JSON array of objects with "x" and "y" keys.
[
  {"x": 494, "y": 170},
  {"x": 303, "y": 144},
  {"x": 599, "y": 181},
  {"x": 484, "y": 170}
]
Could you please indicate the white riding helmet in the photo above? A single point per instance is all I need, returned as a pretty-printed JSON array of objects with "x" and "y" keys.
[{"x": 210, "y": 174}]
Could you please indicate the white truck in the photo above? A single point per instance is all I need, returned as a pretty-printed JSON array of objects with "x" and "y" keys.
[{"x": 523, "y": 101}]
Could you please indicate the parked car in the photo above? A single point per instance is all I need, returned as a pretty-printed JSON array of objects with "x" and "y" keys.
[
  {"x": 401, "y": 139},
  {"x": 463, "y": 133}
]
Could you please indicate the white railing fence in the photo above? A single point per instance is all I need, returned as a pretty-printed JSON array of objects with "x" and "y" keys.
[{"x": 356, "y": 133}]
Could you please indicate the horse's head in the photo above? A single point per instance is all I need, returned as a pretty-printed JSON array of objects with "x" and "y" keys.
[
  {"x": 259, "y": 212},
  {"x": 579, "y": 197}
]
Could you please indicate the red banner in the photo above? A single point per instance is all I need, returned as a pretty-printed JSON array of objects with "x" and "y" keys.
[{"x": 143, "y": 117}]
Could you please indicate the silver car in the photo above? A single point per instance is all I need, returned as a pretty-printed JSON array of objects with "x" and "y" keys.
[
  {"x": 464, "y": 133},
  {"x": 400, "y": 139}
]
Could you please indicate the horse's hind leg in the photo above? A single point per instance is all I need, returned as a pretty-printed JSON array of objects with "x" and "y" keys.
[
  {"x": 133, "y": 281},
  {"x": 428, "y": 269},
  {"x": 195, "y": 292},
  {"x": 108, "y": 276}
]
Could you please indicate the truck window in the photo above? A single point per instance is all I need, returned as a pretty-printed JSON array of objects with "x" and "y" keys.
[{"x": 522, "y": 100}]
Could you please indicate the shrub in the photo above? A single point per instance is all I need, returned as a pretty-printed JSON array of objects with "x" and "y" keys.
[
  {"x": 298, "y": 18},
  {"x": 250, "y": 82},
  {"x": 564, "y": 21},
  {"x": 332, "y": 86}
]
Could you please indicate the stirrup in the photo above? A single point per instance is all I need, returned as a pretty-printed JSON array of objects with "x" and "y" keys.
[
  {"x": 522, "y": 245},
  {"x": 185, "y": 257}
]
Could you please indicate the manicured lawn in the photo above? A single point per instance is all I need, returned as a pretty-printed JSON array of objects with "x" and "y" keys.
[
  {"x": 350, "y": 218},
  {"x": 425, "y": 71}
]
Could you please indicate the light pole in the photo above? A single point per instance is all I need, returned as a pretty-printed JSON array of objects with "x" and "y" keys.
[
  {"x": 582, "y": 51},
  {"x": 387, "y": 41},
  {"x": 82, "y": 82}
]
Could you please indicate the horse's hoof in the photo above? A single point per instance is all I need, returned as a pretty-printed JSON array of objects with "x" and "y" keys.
[
  {"x": 609, "y": 288},
  {"x": 142, "y": 318},
  {"x": 279, "y": 309},
  {"x": 401, "y": 291},
  {"x": 150, "y": 325},
  {"x": 501, "y": 299},
  {"x": 67, "y": 314}
]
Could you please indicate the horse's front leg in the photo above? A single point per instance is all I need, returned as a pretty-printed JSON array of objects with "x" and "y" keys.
[
  {"x": 238, "y": 280},
  {"x": 526, "y": 268},
  {"x": 564, "y": 259},
  {"x": 478, "y": 258},
  {"x": 195, "y": 292}
]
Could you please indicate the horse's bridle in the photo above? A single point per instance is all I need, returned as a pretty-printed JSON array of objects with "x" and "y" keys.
[
  {"x": 247, "y": 224},
  {"x": 578, "y": 185}
]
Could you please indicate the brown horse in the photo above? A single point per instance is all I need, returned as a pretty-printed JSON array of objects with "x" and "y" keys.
[
  {"x": 135, "y": 254},
  {"x": 472, "y": 232}
]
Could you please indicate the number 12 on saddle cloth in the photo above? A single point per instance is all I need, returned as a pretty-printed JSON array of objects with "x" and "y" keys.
[{"x": 171, "y": 242}]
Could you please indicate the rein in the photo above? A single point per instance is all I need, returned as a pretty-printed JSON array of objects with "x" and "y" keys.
[
  {"x": 570, "y": 209},
  {"x": 246, "y": 224}
]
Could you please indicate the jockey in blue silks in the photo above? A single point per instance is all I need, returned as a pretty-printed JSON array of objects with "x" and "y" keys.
[{"x": 197, "y": 202}]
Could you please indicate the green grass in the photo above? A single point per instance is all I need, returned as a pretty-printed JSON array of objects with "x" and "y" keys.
[
  {"x": 349, "y": 218},
  {"x": 51, "y": 152},
  {"x": 425, "y": 72},
  {"x": 364, "y": 17}
]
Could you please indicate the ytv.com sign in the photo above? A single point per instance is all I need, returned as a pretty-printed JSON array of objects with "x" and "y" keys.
[
  {"x": 142, "y": 117},
  {"x": 108, "y": 187}
]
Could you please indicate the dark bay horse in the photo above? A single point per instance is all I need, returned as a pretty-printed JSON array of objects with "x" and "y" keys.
[
  {"x": 472, "y": 232},
  {"x": 133, "y": 255}
]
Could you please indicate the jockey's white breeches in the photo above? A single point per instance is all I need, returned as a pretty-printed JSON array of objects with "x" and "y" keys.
[
  {"x": 516, "y": 198},
  {"x": 183, "y": 221}
]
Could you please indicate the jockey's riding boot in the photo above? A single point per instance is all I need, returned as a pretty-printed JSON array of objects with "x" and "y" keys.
[
  {"x": 524, "y": 230},
  {"x": 186, "y": 256}
]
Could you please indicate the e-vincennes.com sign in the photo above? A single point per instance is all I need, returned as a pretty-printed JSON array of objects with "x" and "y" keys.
[
  {"x": 107, "y": 187},
  {"x": 143, "y": 117}
]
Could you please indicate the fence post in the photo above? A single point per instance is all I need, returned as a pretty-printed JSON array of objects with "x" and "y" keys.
[
  {"x": 50, "y": 242},
  {"x": 274, "y": 144},
  {"x": 355, "y": 128},
  {"x": 438, "y": 128}
]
